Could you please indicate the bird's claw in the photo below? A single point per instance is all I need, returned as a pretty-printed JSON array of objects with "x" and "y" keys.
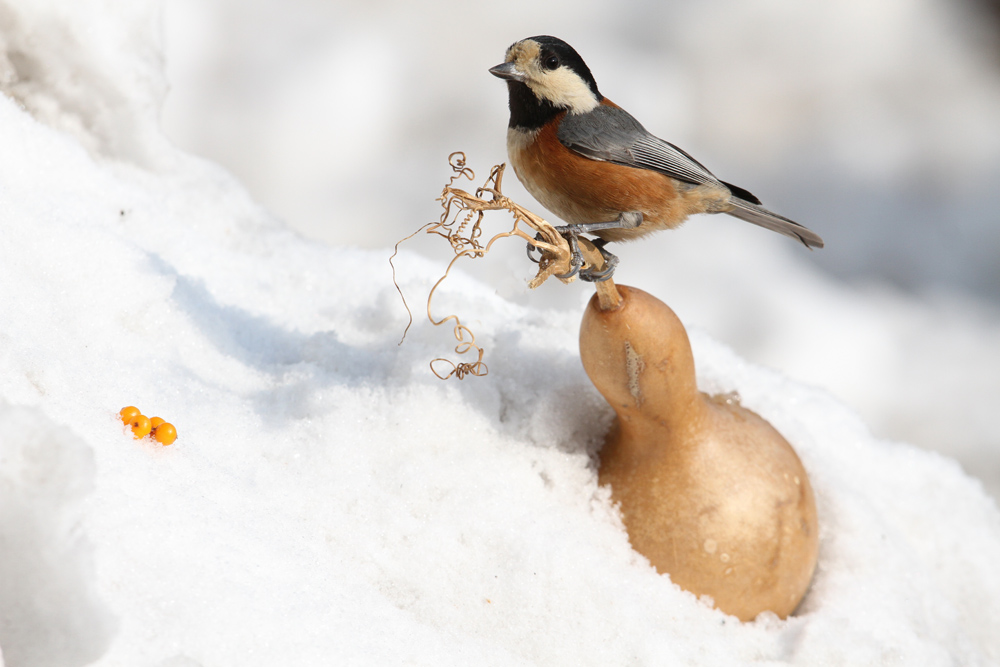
[
  {"x": 532, "y": 248},
  {"x": 576, "y": 257}
]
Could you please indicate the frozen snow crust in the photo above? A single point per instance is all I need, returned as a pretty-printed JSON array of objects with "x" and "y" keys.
[{"x": 328, "y": 500}]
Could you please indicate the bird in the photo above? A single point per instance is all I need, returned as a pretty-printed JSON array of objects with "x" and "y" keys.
[{"x": 591, "y": 163}]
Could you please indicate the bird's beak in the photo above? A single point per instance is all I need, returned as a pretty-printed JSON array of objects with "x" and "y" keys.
[{"x": 508, "y": 72}]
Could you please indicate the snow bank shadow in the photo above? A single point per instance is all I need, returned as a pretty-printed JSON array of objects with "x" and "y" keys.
[
  {"x": 540, "y": 395},
  {"x": 300, "y": 364}
]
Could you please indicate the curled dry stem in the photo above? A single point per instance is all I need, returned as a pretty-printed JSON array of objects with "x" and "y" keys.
[{"x": 461, "y": 225}]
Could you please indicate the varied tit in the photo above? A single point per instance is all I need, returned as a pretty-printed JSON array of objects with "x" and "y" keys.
[{"x": 591, "y": 163}]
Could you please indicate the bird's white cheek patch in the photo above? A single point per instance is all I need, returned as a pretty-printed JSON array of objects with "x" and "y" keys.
[{"x": 565, "y": 89}]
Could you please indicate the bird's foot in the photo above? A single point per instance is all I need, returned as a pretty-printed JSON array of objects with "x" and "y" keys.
[
  {"x": 610, "y": 263},
  {"x": 572, "y": 232},
  {"x": 589, "y": 274}
]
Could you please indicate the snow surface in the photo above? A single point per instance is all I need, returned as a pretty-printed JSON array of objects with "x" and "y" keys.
[{"x": 329, "y": 501}]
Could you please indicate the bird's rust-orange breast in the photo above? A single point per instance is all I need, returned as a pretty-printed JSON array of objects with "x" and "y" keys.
[{"x": 580, "y": 190}]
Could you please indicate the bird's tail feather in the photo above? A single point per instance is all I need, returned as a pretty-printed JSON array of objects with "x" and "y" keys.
[{"x": 759, "y": 215}]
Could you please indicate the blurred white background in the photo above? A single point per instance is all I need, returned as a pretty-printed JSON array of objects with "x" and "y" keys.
[{"x": 877, "y": 124}]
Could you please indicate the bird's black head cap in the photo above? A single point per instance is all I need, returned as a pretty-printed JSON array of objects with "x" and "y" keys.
[{"x": 565, "y": 55}]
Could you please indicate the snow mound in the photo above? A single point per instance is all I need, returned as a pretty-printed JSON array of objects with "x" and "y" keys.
[{"x": 328, "y": 500}]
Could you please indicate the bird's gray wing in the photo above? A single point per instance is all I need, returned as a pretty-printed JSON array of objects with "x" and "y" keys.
[{"x": 611, "y": 134}]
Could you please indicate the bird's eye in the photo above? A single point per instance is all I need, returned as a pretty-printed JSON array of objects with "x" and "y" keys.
[{"x": 551, "y": 62}]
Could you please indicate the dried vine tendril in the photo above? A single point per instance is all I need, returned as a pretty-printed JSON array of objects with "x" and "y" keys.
[{"x": 460, "y": 224}]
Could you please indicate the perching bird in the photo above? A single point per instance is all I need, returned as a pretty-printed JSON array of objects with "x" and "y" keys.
[{"x": 591, "y": 163}]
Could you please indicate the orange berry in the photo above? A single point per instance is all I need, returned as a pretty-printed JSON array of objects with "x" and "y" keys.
[
  {"x": 155, "y": 421},
  {"x": 129, "y": 413},
  {"x": 165, "y": 433},
  {"x": 140, "y": 426}
]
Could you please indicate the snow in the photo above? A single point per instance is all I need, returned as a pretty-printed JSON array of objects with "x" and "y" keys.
[{"x": 328, "y": 500}]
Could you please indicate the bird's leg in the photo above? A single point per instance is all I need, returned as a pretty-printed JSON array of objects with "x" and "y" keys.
[{"x": 625, "y": 220}]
